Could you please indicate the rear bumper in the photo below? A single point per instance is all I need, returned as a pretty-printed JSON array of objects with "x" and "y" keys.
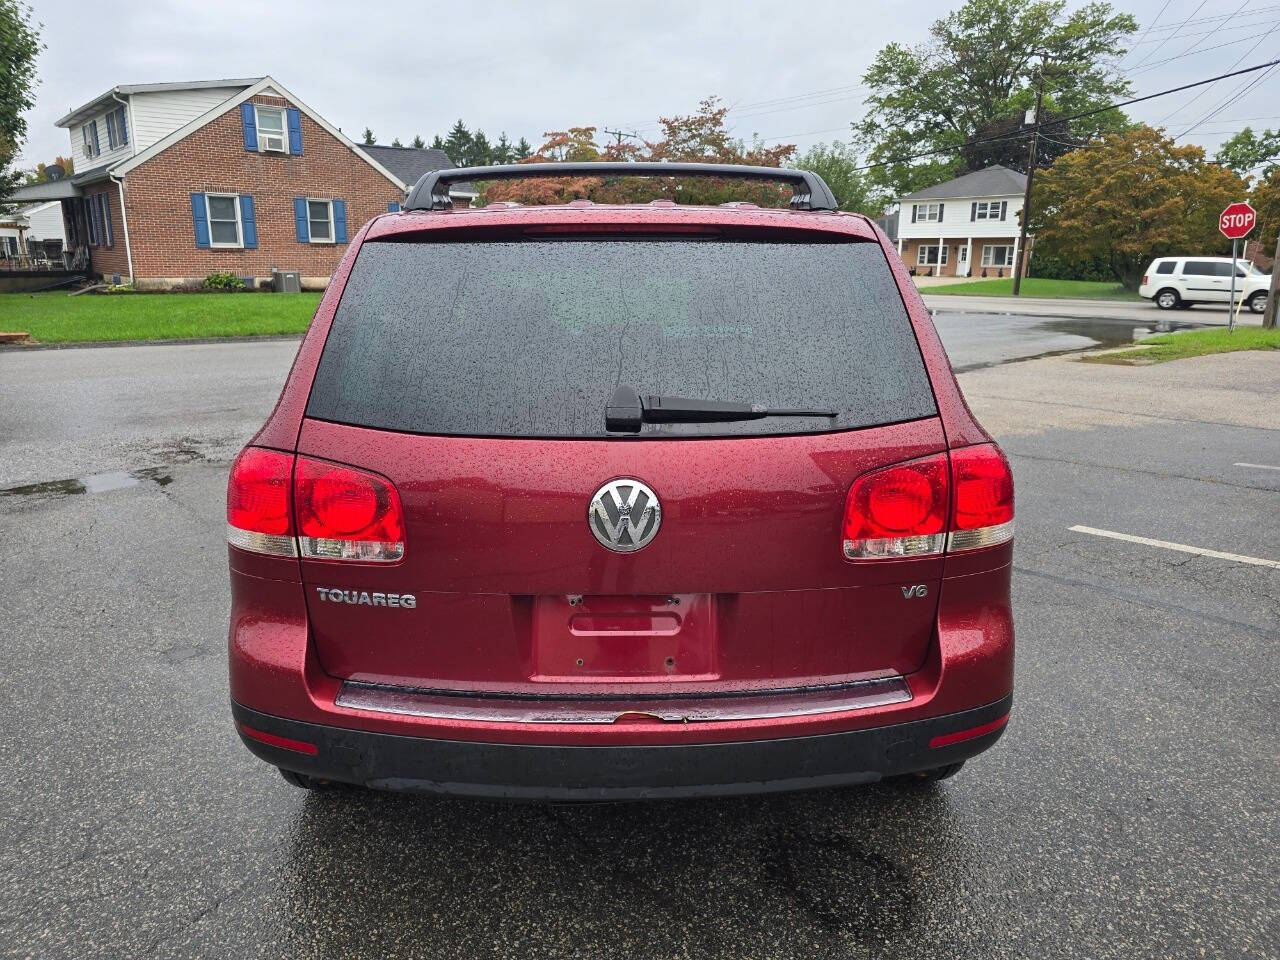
[{"x": 617, "y": 772}]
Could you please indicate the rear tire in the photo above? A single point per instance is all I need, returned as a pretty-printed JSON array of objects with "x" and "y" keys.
[
  {"x": 1167, "y": 299},
  {"x": 1258, "y": 303},
  {"x": 304, "y": 781}
]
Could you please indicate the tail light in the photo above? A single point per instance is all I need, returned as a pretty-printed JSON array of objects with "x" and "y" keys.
[
  {"x": 1145, "y": 280},
  {"x": 922, "y": 507},
  {"x": 900, "y": 511},
  {"x": 346, "y": 514},
  {"x": 285, "y": 506},
  {"x": 982, "y": 508},
  {"x": 259, "y": 508}
]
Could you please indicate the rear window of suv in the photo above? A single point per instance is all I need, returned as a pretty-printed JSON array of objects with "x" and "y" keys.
[{"x": 530, "y": 338}]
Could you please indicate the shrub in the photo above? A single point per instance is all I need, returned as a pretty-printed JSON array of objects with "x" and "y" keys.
[{"x": 228, "y": 282}]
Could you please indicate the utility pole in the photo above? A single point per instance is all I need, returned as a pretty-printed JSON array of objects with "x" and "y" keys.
[
  {"x": 1031, "y": 171},
  {"x": 620, "y": 134},
  {"x": 1273, "y": 298}
]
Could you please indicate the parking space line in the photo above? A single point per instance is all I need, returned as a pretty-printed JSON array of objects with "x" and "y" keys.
[
  {"x": 1256, "y": 466},
  {"x": 1180, "y": 547}
]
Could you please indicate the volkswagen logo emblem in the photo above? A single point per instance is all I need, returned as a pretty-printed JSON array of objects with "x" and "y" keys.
[{"x": 624, "y": 515}]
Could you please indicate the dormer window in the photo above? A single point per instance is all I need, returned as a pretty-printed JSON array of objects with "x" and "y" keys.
[{"x": 271, "y": 126}]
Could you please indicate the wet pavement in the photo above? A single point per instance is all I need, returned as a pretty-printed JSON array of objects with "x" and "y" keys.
[{"x": 1130, "y": 810}]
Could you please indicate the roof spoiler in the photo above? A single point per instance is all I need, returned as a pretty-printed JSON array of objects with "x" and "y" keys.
[{"x": 810, "y": 191}]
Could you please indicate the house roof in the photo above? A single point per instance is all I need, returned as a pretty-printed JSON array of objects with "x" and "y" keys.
[
  {"x": 994, "y": 181},
  {"x": 85, "y": 110},
  {"x": 50, "y": 190},
  {"x": 410, "y": 164},
  {"x": 266, "y": 83}
]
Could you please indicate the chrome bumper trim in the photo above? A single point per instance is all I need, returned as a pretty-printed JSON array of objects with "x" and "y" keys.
[{"x": 686, "y": 708}]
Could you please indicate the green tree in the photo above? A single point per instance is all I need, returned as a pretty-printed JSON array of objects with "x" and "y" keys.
[
  {"x": 20, "y": 45},
  {"x": 417, "y": 142},
  {"x": 503, "y": 152},
  {"x": 837, "y": 164},
  {"x": 458, "y": 144},
  {"x": 1246, "y": 152},
  {"x": 1266, "y": 200},
  {"x": 979, "y": 66},
  {"x": 437, "y": 143},
  {"x": 481, "y": 152},
  {"x": 1131, "y": 197},
  {"x": 523, "y": 150},
  {"x": 395, "y": 142},
  {"x": 369, "y": 138}
]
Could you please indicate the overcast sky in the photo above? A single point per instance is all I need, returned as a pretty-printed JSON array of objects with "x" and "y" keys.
[{"x": 531, "y": 67}]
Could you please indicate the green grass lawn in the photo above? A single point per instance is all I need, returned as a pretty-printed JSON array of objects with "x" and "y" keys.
[
  {"x": 1193, "y": 343},
  {"x": 1034, "y": 287},
  {"x": 59, "y": 318}
]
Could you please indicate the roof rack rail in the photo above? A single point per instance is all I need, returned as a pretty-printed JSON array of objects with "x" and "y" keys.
[{"x": 810, "y": 191}]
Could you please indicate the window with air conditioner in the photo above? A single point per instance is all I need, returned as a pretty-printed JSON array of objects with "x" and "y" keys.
[{"x": 271, "y": 129}]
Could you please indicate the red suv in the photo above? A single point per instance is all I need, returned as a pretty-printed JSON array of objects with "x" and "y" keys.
[{"x": 596, "y": 502}]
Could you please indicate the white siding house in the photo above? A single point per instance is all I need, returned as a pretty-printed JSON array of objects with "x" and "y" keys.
[
  {"x": 31, "y": 225},
  {"x": 964, "y": 227}
]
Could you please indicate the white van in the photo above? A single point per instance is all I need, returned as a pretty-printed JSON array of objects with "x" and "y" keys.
[{"x": 1182, "y": 281}]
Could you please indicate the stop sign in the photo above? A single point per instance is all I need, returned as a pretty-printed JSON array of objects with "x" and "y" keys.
[{"x": 1237, "y": 220}]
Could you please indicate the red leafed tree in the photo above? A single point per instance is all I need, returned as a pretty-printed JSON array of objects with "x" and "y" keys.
[{"x": 700, "y": 137}]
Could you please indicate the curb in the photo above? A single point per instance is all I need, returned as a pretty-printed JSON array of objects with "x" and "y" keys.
[{"x": 170, "y": 342}]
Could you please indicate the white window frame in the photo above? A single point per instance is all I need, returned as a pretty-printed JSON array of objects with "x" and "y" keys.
[
  {"x": 922, "y": 261},
  {"x": 258, "y": 110},
  {"x": 89, "y": 137},
  {"x": 988, "y": 254},
  {"x": 928, "y": 213},
  {"x": 208, "y": 217},
  {"x": 987, "y": 210},
  {"x": 311, "y": 234},
  {"x": 113, "y": 130}
]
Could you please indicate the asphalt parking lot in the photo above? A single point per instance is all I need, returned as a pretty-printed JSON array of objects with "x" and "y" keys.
[{"x": 1130, "y": 810}]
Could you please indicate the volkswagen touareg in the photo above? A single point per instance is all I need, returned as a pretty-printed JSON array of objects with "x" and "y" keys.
[{"x": 610, "y": 501}]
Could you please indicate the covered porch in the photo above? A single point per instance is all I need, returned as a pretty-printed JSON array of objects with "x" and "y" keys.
[
  {"x": 26, "y": 262},
  {"x": 974, "y": 257}
]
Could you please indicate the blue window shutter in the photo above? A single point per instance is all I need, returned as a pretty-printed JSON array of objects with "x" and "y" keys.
[
  {"x": 294, "y": 121},
  {"x": 248, "y": 223},
  {"x": 124, "y": 128},
  {"x": 200, "y": 216},
  {"x": 106, "y": 219},
  {"x": 300, "y": 219},
  {"x": 249, "y": 120},
  {"x": 393, "y": 206},
  {"x": 340, "y": 221}
]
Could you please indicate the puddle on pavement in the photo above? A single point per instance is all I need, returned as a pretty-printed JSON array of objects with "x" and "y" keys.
[
  {"x": 1115, "y": 333},
  {"x": 93, "y": 483}
]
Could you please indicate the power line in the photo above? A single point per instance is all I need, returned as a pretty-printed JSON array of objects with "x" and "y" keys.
[
  {"x": 1157, "y": 47},
  {"x": 1239, "y": 60},
  {"x": 1078, "y": 116},
  {"x": 1147, "y": 31}
]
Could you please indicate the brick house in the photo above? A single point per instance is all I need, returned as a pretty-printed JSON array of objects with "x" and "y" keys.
[
  {"x": 964, "y": 227},
  {"x": 181, "y": 180}
]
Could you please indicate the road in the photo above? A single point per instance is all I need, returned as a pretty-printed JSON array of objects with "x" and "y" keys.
[
  {"x": 1140, "y": 312},
  {"x": 1129, "y": 812}
]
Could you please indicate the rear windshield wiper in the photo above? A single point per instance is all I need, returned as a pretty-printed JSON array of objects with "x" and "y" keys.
[{"x": 628, "y": 411}]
